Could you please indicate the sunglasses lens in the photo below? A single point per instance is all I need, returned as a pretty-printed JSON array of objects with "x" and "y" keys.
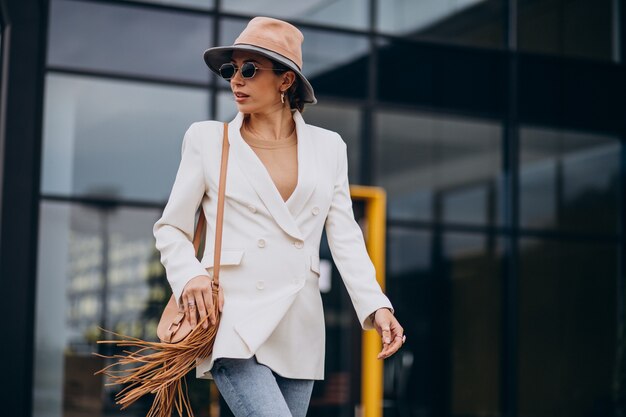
[
  {"x": 248, "y": 70},
  {"x": 227, "y": 71}
]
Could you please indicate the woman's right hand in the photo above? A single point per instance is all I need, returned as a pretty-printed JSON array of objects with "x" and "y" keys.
[{"x": 198, "y": 300}]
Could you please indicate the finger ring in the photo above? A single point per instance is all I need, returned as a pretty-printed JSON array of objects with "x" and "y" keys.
[
  {"x": 403, "y": 338},
  {"x": 191, "y": 304}
]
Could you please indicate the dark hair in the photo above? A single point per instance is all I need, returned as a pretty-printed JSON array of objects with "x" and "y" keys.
[{"x": 293, "y": 93}]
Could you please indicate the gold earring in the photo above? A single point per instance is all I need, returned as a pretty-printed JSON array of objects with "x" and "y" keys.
[{"x": 282, "y": 97}]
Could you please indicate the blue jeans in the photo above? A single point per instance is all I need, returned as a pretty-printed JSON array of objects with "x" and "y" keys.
[{"x": 252, "y": 389}]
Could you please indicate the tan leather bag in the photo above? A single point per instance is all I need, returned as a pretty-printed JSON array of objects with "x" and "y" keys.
[{"x": 160, "y": 367}]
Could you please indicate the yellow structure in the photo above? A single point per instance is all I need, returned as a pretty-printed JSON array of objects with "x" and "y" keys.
[{"x": 375, "y": 200}]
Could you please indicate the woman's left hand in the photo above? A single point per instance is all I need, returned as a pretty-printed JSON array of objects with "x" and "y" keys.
[{"x": 391, "y": 332}]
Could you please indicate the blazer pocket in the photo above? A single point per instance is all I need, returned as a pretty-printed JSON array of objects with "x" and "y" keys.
[
  {"x": 315, "y": 264},
  {"x": 227, "y": 257}
]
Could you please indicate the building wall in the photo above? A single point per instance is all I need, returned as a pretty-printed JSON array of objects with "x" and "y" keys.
[{"x": 496, "y": 128}]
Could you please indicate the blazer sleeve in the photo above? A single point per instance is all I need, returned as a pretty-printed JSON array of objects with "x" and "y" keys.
[
  {"x": 174, "y": 230},
  {"x": 348, "y": 249}
]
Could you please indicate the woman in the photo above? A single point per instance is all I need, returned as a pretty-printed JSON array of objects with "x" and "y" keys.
[{"x": 286, "y": 181}]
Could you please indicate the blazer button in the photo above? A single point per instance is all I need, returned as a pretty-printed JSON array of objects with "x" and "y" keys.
[
  {"x": 261, "y": 243},
  {"x": 298, "y": 244},
  {"x": 260, "y": 284},
  {"x": 252, "y": 208},
  {"x": 315, "y": 211}
]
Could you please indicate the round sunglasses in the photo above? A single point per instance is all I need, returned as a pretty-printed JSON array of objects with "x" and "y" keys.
[{"x": 248, "y": 70}]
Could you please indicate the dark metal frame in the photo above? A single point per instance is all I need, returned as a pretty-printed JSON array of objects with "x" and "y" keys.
[
  {"x": 510, "y": 274},
  {"x": 24, "y": 29}
]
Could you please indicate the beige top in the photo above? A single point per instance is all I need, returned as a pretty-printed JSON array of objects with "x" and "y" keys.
[{"x": 280, "y": 158}]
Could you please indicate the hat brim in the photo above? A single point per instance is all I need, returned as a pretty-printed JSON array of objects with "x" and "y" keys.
[{"x": 216, "y": 56}]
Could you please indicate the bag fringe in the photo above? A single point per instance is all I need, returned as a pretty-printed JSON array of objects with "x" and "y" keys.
[{"x": 161, "y": 368}]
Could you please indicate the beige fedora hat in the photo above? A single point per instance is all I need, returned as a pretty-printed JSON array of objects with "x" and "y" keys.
[{"x": 275, "y": 39}]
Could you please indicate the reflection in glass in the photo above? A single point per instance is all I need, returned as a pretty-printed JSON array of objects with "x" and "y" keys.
[
  {"x": 437, "y": 168},
  {"x": 446, "y": 291},
  {"x": 473, "y": 22},
  {"x": 473, "y": 265},
  {"x": 201, "y": 4},
  {"x": 409, "y": 285},
  {"x": 567, "y": 329},
  {"x": 226, "y": 106},
  {"x": 97, "y": 267},
  {"x": 559, "y": 27},
  {"x": 569, "y": 180},
  {"x": 444, "y": 77},
  {"x": 128, "y": 40},
  {"x": 335, "y": 64},
  {"x": 115, "y": 138},
  {"x": 344, "y": 13}
]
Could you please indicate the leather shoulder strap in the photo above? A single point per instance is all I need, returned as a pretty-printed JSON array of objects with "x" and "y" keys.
[
  {"x": 220, "y": 213},
  {"x": 220, "y": 208}
]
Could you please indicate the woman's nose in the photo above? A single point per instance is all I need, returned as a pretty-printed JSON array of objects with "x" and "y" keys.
[{"x": 237, "y": 78}]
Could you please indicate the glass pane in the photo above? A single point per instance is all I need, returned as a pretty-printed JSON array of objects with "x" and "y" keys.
[
  {"x": 335, "y": 64},
  {"x": 580, "y": 94},
  {"x": 567, "y": 329},
  {"x": 115, "y": 139},
  {"x": 437, "y": 168},
  {"x": 471, "y": 22},
  {"x": 226, "y": 107},
  {"x": 344, "y": 13},
  {"x": 409, "y": 285},
  {"x": 447, "y": 294},
  {"x": 475, "y": 317},
  {"x": 569, "y": 181},
  {"x": 97, "y": 266},
  {"x": 465, "y": 80},
  {"x": 200, "y": 4},
  {"x": 128, "y": 40},
  {"x": 560, "y": 27}
]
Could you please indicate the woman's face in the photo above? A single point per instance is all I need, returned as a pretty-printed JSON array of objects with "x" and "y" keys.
[{"x": 260, "y": 93}]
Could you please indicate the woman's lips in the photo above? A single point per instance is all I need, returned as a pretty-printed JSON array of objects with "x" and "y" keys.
[{"x": 239, "y": 97}]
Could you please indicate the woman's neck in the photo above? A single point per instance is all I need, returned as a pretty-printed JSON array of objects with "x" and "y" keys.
[{"x": 274, "y": 125}]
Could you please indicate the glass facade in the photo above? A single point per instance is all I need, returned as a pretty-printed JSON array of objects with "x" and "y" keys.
[
  {"x": 113, "y": 138},
  {"x": 469, "y": 22},
  {"x": 582, "y": 28},
  {"x": 353, "y": 14},
  {"x": 567, "y": 337},
  {"x": 569, "y": 181},
  {"x": 98, "y": 269},
  {"x": 448, "y": 292},
  {"x": 155, "y": 43},
  {"x": 439, "y": 168},
  {"x": 503, "y": 163}
]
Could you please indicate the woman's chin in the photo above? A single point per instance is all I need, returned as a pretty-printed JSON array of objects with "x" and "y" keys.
[{"x": 245, "y": 108}]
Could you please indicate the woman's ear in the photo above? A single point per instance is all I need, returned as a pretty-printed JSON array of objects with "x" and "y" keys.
[{"x": 288, "y": 79}]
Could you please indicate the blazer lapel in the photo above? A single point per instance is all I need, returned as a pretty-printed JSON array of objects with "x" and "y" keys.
[
  {"x": 260, "y": 179},
  {"x": 307, "y": 174}
]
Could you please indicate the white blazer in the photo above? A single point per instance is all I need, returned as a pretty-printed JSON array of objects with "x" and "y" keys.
[{"x": 269, "y": 267}]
